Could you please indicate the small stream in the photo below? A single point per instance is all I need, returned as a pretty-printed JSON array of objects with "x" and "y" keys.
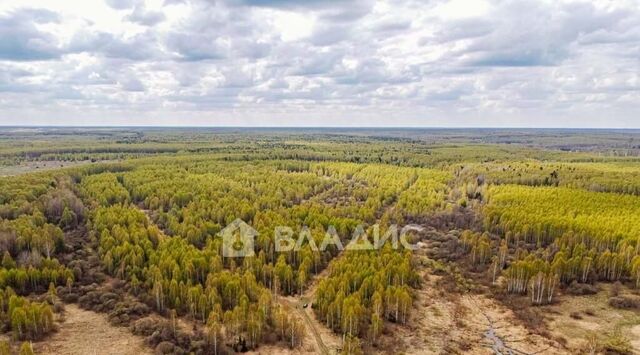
[{"x": 497, "y": 344}]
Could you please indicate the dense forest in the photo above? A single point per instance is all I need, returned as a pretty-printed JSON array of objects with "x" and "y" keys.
[{"x": 133, "y": 228}]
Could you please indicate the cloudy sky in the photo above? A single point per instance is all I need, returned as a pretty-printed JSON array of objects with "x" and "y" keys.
[{"x": 320, "y": 63}]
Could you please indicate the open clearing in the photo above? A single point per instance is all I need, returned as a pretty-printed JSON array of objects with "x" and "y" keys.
[
  {"x": 35, "y": 166},
  {"x": 591, "y": 315},
  {"x": 85, "y": 332},
  {"x": 468, "y": 323}
]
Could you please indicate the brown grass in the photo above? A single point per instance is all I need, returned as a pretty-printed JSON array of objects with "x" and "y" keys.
[
  {"x": 34, "y": 166},
  {"x": 446, "y": 321},
  {"x": 598, "y": 320},
  {"x": 85, "y": 332}
]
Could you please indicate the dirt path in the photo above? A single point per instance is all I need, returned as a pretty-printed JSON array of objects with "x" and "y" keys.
[
  {"x": 85, "y": 333},
  {"x": 325, "y": 341},
  {"x": 296, "y": 306}
]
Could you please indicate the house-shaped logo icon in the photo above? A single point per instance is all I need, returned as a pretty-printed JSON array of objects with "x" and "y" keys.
[{"x": 238, "y": 239}]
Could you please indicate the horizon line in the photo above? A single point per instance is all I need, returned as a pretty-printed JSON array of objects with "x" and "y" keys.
[{"x": 2, "y": 126}]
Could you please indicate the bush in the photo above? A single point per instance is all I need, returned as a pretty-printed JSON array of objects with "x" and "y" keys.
[
  {"x": 144, "y": 326},
  {"x": 578, "y": 289},
  {"x": 166, "y": 348},
  {"x": 590, "y": 312},
  {"x": 58, "y": 307},
  {"x": 615, "y": 289},
  {"x": 575, "y": 315},
  {"x": 624, "y": 302},
  {"x": 159, "y": 331},
  {"x": 124, "y": 311}
]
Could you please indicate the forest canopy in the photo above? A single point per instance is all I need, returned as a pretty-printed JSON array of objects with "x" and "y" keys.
[{"x": 132, "y": 228}]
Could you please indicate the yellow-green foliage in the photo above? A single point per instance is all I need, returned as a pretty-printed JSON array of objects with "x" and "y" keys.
[
  {"x": 426, "y": 194},
  {"x": 365, "y": 287},
  {"x": 28, "y": 320},
  {"x": 26, "y": 349},
  {"x": 192, "y": 199},
  {"x": 156, "y": 219},
  {"x": 105, "y": 189},
  {"x": 18, "y": 194},
  {"x": 586, "y": 235},
  {"x": 547, "y": 213},
  {"x": 604, "y": 177}
]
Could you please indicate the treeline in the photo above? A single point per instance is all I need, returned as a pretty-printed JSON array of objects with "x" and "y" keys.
[
  {"x": 28, "y": 320},
  {"x": 365, "y": 288},
  {"x": 45, "y": 195},
  {"x": 540, "y": 215},
  {"x": 34, "y": 212},
  {"x": 34, "y": 278},
  {"x": 619, "y": 177},
  {"x": 410, "y": 151},
  {"x": 173, "y": 275},
  {"x": 560, "y": 236}
]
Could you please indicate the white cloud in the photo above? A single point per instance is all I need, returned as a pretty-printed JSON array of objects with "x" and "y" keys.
[
  {"x": 345, "y": 62},
  {"x": 459, "y": 9}
]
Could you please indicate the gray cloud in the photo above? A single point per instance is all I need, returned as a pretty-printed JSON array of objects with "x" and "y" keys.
[
  {"x": 131, "y": 83},
  {"x": 122, "y": 4},
  {"x": 145, "y": 17},
  {"x": 22, "y": 40},
  {"x": 393, "y": 61},
  {"x": 142, "y": 46},
  {"x": 294, "y": 4},
  {"x": 532, "y": 34}
]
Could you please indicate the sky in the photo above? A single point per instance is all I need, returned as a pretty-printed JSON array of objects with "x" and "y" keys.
[{"x": 431, "y": 63}]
